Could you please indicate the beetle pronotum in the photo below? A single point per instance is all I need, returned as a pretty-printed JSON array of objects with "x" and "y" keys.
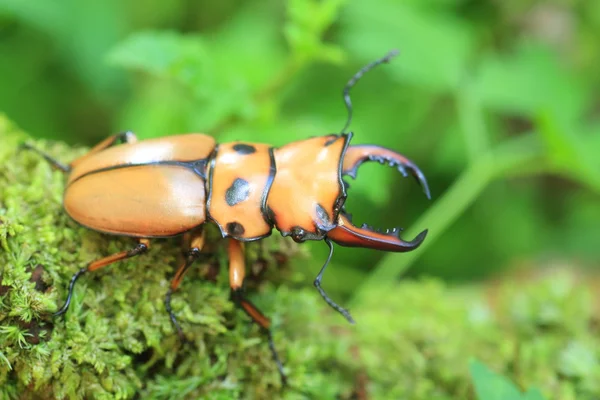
[{"x": 178, "y": 183}]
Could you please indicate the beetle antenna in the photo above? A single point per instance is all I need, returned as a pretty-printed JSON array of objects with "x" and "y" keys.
[
  {"x": 317, "y": 284},
  {"x": 355, "y": 79}
]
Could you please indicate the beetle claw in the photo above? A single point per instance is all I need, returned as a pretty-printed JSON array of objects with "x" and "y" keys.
[
  {"x": 356, "y": 155},
  {"x": 349, "y": 235}
]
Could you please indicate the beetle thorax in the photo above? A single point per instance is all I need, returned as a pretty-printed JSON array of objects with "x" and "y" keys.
[{"x": 296, "y": 188}]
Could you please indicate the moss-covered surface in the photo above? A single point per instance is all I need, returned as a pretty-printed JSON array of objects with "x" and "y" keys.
[{"x": 116, "y": 340}]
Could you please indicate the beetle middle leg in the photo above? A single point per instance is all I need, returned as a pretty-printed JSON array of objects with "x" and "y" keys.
[
  {"x": 194, "y": 252},
  {"x": 141, "y": 248},
  {"x": 237, "y": 272}
]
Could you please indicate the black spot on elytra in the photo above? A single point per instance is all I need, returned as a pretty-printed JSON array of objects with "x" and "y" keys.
[
  {"x": 331, "y": 141},
  {"x": 235, "y": 229},
  {"x": 237, "y": 192},
  {"x": 242, "y": 148}
]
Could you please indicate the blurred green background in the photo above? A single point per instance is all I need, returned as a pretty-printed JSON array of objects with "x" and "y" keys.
[{"x": 497, "y": 101}]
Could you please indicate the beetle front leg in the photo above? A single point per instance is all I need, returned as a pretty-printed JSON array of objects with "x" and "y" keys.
[
  {"x": 237, "y": 272},
  {"x": 196, "y": 245},
  {"x": 141, "y": 248}
]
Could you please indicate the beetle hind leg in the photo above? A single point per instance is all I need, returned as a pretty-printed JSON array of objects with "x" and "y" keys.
[
  {"x": 237, "y": 272},
  {"x": 53, "y": 161},
  {"x": 196, "y": 245},
  {"x": 141, "y": 248},
  {"x": 122, "y": 137}
]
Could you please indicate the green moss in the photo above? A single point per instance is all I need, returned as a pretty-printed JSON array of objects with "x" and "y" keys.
[{"x": 116, "y": 340}]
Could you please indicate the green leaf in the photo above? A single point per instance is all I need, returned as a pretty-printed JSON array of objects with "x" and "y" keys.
[
  {"x": 533, "y": 394},
  {"x": 307, "y": 21},
  {"x": 434, "y": 48},
  {"x": 5, "y": 360},
  {"x": 492, "y": 386},
  {"x": 570, "y": 150},
  {"x": 529, "y": 80},
  {"x": 167, "y": 54},
  {"x": 577, "y": 360}
]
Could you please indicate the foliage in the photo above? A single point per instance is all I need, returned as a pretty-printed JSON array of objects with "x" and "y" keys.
[
  {"x": 496, "y": 101},
  {"x": 491, "y": 386}
]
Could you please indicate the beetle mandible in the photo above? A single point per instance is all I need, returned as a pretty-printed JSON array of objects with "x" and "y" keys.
[{"x": 176, "y": 184}]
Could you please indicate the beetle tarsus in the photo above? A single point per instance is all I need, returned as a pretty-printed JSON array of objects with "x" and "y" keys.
[
  {"x": 173, "y": 317},
  {"x": 192, "y": 255},
  {"x": 65, "y": 306},
  {"x": 257, "y": 317},
  {"x": 140, "y": 248},
  {"x": 282, "y": 375}
]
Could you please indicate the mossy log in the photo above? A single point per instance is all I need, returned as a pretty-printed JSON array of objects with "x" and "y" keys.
[{"x": 116, "y": 341}]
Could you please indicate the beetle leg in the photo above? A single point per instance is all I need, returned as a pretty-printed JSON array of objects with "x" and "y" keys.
[
  {"x": 142, "y": 247},
  {"x": 122, "y": 137},
  {"x": 196, "y": 245},
  {"x": 53, "y": 161},
  {"x": 237, "y": 272},
  {"x": 317, "y": 284}
]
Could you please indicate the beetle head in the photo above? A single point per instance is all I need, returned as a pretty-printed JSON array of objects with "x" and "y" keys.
[{"x": 347, "y": 234}]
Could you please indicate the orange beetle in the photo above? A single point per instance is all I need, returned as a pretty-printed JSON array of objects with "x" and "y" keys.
[{"x": 169, "y": 186}]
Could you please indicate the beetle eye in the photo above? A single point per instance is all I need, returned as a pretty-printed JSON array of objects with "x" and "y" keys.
[
  {"x": 298, "y": 234},
  {"x": 339, "y": 203}
]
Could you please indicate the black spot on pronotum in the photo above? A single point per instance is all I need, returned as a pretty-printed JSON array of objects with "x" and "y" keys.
[
  {"x": 235, "y": 229},
  {"x": 331, "y": 141},
  {"x": 237, "y": 192},
  {"x": 242, "y": 148}
]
